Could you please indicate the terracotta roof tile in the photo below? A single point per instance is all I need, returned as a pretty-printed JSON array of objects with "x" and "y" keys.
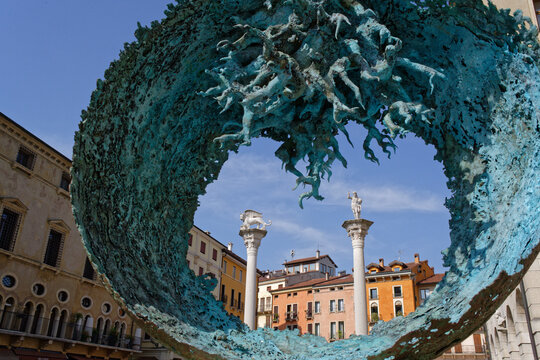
[
  {"x": 308, "y": 260},
  {"x": 434, "y": 279}
]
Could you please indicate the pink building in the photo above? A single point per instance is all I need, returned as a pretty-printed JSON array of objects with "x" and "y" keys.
[{"x": 333, "y": 306}]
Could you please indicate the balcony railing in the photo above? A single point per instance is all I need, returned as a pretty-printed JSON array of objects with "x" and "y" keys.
[
  {"x": 291, "y": 316},
  {"x": 237, "y": 305},
  {"x": 265, "y": 308},
  {"x": 63, "y": 330}
]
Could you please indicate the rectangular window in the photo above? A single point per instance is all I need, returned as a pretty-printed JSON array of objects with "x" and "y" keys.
[
  {"x": 239, "y": 300},
  {"x": 424, "y": 293},
  {"x": 317, "y": 329},
  {"x": 397, "y": 291},
  {"x": 340, "y": 305},
  {"x": 89, "y": 271},
  {"x": 268, "y": 288},
  {"x": 224, "y": 266},
  {"x": 26, "y": 158},
  {"x": 310, "y": 328},
  {"x": 234, "y": 272},
  {"x": 232, "y": 297},
  {"x": 341, "y": 330},
  {"x": 8, "y": 229},
  {"x": 201, "y": 271},
  {"x": 317, "y": 307},
  {"x": 64, "y": 181},
  {"x": 332, "y": 305},
  {"x": 280, "y": 286},
  {"x": 203, "y": 247},
  {"x": 332, "y": 330},
  {"x": 190, "y": 240},
  {"x": 240, "y": 275},
  {"x": 214, "y": 254},
  {"x": 373, "y": 295},
  {"x": 261, "y": 304},
  {"x": 223, "y": 296},
  {"x": 54, "y": 248}
]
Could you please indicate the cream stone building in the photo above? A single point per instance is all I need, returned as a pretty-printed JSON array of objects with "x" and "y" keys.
[
  {"x": 514, "y": 331},
  {"x": 530, "y": 8},
  {"x": 204, "y": 255},
  {"x": 52, "y": 306}
]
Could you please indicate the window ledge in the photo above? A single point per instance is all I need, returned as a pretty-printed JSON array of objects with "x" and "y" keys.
[
  {"x": 28, "y": 172},
  {"x": 63, "y": 192}
]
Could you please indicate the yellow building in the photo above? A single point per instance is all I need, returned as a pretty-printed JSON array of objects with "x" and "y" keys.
[
  {"x": 51, "y": 303},
  {"x": 233, "y": 282}
]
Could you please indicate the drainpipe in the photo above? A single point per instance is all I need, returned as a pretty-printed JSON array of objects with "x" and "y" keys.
[{"x": 528, "y": 318}]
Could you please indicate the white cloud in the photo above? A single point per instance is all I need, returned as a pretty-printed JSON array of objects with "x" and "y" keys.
[{"x": 382, "y": 198}]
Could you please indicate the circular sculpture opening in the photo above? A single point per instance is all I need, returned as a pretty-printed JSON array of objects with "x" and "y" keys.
[{"x": 212, "y": 75}]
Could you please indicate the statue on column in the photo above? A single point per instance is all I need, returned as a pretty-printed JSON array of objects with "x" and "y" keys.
[
  {"x": 252, "y": 217},
  {"x": 356, "y": 204}
]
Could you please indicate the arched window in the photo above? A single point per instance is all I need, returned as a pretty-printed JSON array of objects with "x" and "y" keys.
[
  {"x": 62, "y": 324},
  {"x": 7, "y": 314},
  {"x": 99, "y": 332},
  {"x": 398, "y": 308},
  {"x": 88, "y": 324},
  {"x": 53, "y": 322},
  {"x": 38, "y": 320},
  {"x": 25, "y": 318},
  {"x": 374, "y": 312}
]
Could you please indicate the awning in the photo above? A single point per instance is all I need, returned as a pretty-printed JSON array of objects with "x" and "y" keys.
[{"x": 31, "y": 354}]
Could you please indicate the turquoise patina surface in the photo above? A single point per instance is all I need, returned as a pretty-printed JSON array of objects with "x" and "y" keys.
[{"x": 214, "y": 74}]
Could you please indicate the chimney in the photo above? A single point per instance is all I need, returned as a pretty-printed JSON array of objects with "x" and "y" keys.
[
  {"x": 326, "y": 276},
  {"x": 318, "y": 253},
  {"x": 417, "y": 258},
  {"x": 381, "y": 262},
  {"x": 229, "y": 246}
]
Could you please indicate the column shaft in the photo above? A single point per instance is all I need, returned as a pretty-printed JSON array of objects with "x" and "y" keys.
[
  {"x": 360, "y": 306},
  {"x": 251, "y": 289}
]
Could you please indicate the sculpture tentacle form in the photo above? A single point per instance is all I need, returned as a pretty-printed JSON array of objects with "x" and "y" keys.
[{"x": 214, "y": 74}]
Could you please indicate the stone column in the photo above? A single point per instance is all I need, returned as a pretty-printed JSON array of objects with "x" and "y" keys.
[
  {"x": 252, "y": 240},
  {"x": 357, "y": 230}
]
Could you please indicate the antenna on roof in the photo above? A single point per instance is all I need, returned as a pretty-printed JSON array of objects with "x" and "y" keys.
[
  {"x": 292, "y": 254},
  {"x": 399, "y": 254}
]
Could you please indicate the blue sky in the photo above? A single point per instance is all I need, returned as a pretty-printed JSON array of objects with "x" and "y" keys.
[{"x": 54, "y": 51}]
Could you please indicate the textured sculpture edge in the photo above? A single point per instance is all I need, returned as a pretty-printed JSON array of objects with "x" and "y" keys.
[{"x": 149, "y": 113}]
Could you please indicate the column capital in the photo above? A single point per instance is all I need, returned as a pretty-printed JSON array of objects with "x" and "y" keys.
[
  {"x": 252, "y": 239},
  {"x": 357, "y": 230}
]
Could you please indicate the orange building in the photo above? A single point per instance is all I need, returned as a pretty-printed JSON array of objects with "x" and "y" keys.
[{"x": 392, "y": 290}]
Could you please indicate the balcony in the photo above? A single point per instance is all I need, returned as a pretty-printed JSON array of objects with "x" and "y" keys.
[
  {"x": 309, "y": 314},
  {"x": 238, "y": 305},
  {"x": 24, "y": 325},
  {"x": 291, "y": 316},
  {"x": 264, "y": 309}
]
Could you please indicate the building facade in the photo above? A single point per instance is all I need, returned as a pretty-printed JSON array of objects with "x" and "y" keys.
[
  {"x": 392, "y": 289},
  {"x": 233, "y": 282},
  {"x": 514, "y": 331},
  {"x": 204, "y": 256},
  {"x": 333, "y": 308},
  {"x": 51, "y": 302},
  {"x": 294, "y": 272}
]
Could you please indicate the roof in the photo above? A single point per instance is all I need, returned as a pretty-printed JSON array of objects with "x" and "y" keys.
[
  {"x": 210, "y": 236},
  {"x": 302, "y": 284},
  {"x": 34, "y": 136},
  {"x": 434, "y": 279},
  {"x": 308, "y": 260},
  {"x": 388, "y": 268},
  {"x": 338, "y": 280}
]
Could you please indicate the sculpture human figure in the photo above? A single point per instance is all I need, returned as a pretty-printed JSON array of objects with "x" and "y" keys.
[{"x": 356, "y": 204}]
